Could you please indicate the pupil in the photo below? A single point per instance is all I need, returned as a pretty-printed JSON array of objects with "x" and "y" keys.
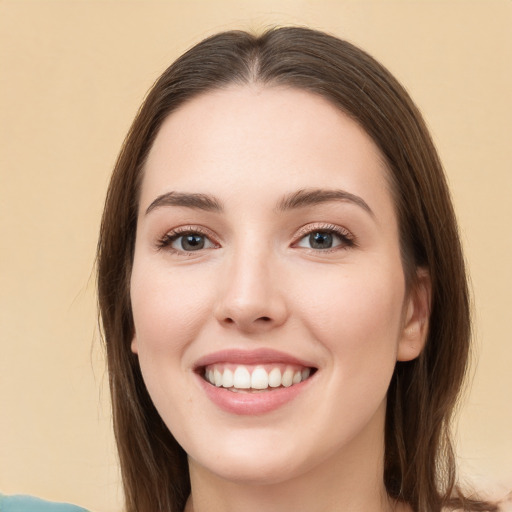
[
  {"x": 192, "y": 242},
  {"x": 320, "y": 240}
]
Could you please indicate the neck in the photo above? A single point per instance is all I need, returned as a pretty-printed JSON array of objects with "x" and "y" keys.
[{"x": 351, "y": 479}]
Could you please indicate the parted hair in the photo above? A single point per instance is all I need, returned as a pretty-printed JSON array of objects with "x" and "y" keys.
[{"x": 419, "y": 466}]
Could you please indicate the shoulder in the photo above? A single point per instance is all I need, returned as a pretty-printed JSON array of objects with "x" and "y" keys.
[{"x": 22, "y": 503}]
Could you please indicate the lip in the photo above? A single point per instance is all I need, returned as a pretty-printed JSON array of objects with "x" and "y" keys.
[
  {"x": 255, "y": 403},
  {"x": 259, "y": 356}
]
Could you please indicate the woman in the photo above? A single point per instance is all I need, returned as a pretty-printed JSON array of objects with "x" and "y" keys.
[{"x": 282, "y": 288}]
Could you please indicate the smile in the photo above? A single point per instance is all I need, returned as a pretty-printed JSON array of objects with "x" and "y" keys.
[
  {"x": 255, "y": 378},
  {"x": 253, "y": 382}
]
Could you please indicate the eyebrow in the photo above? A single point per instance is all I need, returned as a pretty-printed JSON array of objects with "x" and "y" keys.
[
  {"x": 309, "y": 197},
  {"x": 299, "y": 199},
  {"x": 187, "y": 200}
]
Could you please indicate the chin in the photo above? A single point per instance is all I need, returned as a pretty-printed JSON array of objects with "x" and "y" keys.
[
  {"x": 252, "y": 472},
  {"x": 274, "y": 460}
]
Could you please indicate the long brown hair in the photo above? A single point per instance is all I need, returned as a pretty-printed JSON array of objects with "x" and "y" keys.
[{"x": 419, "y": 461}]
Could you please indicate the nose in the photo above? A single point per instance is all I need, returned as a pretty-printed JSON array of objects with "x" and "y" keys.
[{"x": 252, "y": 298}]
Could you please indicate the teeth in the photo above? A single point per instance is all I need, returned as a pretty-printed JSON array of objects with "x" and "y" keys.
[
  {"x": 287, "y": 379},
  {"x": 259, "y": 379},
  {"x": 217, "y": 376},
  {"x": 274, "y": 378},
  {"x": 241, "y": 378},
  {"x": 227, "y": 379}
]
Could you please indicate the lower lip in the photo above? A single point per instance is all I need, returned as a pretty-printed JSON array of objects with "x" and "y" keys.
[{"x": 251, "y": 403}]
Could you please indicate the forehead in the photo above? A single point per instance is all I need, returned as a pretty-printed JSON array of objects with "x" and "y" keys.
[{"x": 242, "y": 140}]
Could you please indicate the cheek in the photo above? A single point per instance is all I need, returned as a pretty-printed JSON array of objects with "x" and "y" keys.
[
  {"x": 169, "y": 307},
  {"x": 356, "y": 314},
  {"x": 168, "y": 310}
]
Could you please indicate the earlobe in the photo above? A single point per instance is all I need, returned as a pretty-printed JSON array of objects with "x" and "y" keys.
[{"x": 416, "y": 318}]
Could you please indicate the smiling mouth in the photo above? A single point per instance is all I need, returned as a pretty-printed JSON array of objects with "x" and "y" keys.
[{"x": 255, "y": 378}]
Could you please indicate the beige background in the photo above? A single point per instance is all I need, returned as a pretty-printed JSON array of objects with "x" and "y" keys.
[{"x": 72, "y": 76}]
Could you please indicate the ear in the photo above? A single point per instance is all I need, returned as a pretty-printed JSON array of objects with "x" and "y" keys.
[
  {"x": 416, "y": 317},
  {"x": 134, "y": 346}
]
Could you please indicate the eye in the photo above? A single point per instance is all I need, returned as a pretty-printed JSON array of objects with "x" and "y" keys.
[
  {"x": 186, "y": 241},
  {"x": 325, "y": 238},
  {"x": 191, "y": 242},
  {"x": 318, "y": 240}
]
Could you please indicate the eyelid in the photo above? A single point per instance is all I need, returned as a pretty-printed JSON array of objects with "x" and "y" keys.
[
  {"x": 320, "y": 226},
  {"x": 347, "y": 237},
  {"x": 165, "y": 241}
]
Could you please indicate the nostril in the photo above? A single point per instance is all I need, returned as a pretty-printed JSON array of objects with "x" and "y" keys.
[{"x": 261, "y": 319}]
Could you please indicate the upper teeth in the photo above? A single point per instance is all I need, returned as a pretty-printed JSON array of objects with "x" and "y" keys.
[{"x": 258, "y": 377}]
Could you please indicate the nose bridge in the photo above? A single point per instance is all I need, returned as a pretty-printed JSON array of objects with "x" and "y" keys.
[{"x": 251, "y": 296}]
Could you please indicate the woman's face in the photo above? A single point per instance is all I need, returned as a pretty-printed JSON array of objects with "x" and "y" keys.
[{"x": 267, "y": 250}]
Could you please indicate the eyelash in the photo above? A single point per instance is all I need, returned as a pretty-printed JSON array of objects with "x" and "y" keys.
[
  {"x": 346, "y": 238},
  {"x": 169, "y": 238}
]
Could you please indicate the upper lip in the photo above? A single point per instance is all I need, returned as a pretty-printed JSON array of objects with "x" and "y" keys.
[{"x": 258, "y": 356}]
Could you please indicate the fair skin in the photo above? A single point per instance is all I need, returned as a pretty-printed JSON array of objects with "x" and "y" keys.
[{"x": 292, "y": 261}]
